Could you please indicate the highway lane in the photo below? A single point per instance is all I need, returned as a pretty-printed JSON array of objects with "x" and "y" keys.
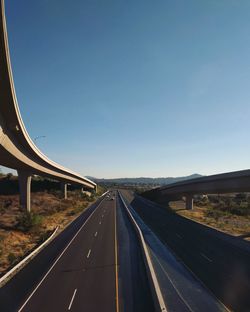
[
  {"x": 135, "y": 294},
  {"x": 85, "y": 276},
  {"x": 12, "y": 294},
  {"x": 81, "y": 269},
  {"x": 222, "y": 267},
  {"x": 181, "y": 291}
]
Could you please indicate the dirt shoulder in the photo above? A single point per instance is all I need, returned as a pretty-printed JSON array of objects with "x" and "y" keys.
[{"x": 20, "y": 233}]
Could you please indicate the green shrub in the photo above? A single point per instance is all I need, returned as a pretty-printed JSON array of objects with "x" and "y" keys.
[
  {"x": 240, "y": 197},
  {"x": 1, "y": 248},
  {"x": 214, "y": 213},
  {"x": 71, "y": 213},
  {"x": 44, "y": 236},
  {"x": 27, "y": 220},
  {"x": 11, "y": 258},
  {"x": 202, "y": 202},
  {"x": 2, "y": 207},
  {"x": 80, "y": 207},
  {"x": 241, "y": 210},
  {"x": 8, "y": 176}
]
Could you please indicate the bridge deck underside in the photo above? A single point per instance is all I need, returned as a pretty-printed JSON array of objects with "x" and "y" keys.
[{"x": 240, "y": 184}]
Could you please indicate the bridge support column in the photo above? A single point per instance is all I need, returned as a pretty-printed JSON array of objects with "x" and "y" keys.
[
  {"x": 24, "y": 179},
  {"x": 189, "y": 202},
  {"x": 64, "y": 188}
]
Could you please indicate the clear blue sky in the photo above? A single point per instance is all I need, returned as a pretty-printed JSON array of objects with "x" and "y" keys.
[{"x": 136, "y": 87}]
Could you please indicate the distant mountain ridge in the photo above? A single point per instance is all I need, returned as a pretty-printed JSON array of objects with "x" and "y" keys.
[{"x": 144, "y": 180}]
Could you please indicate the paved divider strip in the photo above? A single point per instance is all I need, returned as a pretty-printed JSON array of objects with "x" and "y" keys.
[
  {"x": 155, "y": 287},
  {"x": 22, "y": 262}
]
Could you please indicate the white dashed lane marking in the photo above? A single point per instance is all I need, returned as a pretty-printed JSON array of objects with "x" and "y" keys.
[
  {"x": 72, "y": 299},
  {"x": 89, "y": 253}
]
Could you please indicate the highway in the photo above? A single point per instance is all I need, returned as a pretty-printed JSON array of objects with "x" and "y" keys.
[
  {"x": 80, "y": 269},
  {"x": 97, "y": 264},
  {"x": 181, "y": 290},
  {"x": 86, "y": 273},
  {"x": 221, "y": 265},
  {"x": 135, "y": 294}
]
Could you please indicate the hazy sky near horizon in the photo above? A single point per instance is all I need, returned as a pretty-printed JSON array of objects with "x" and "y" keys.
[{"x": 135, "y": 88}]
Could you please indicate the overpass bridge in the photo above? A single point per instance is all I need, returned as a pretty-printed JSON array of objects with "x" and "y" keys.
[
  {"x": 237, "y": 181},
  {"x": 17, "y": 150}
]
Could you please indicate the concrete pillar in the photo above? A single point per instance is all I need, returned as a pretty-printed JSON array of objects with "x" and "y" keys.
[
  {"x": 24, "y": 179},
  {"x": 189, "y": 202},
  {"x": 64, "y": 187}
]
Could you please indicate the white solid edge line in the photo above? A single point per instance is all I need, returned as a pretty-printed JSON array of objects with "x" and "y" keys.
[
  {"x": 16, "y": 267},
  {"x": 149, "y": 262},
  {"x": 206, "y": 257},
  {"x": 72, "y": 299},
  {"x": 58, "y": 259}
]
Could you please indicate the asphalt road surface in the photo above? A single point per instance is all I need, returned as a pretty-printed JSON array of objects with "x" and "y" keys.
[
  {"x": 80, "y": 270},
  {"x": 85, "y": 275},
  {"x": 134, "y": 289},
  {"x": 222, "y": 266}
]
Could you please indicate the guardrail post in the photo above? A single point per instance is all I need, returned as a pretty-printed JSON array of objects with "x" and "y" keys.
[
  {"x": 64, "y": 188},
  {"x": 189, "y": 202},
  {"x": 24, "y": 179}
]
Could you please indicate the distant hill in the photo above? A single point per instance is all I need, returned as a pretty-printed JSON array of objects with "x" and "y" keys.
[{"x": 145, "y": 181}]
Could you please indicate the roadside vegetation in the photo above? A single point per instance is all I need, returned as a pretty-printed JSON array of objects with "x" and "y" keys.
[
  {"x": 21, "y": 232},
  {"x": 227, "y": 212}
]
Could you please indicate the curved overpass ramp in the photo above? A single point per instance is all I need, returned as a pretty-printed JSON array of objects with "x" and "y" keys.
[
  {"x": 17, "y": 151},
  {"x": 238, "y": 181}
]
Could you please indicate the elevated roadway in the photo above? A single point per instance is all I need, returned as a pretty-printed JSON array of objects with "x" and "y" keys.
[
  {"x": 17, "y": 150},
  {"x": 238, "y": 181},
  {"x": 219, "y": 260}
]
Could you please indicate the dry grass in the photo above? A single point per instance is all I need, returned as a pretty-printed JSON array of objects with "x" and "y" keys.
[
  {"x": 228, "y": 223},
  {"x": 52, "y": 212}
]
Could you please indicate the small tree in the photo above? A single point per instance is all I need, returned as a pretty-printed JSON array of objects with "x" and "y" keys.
[{"x": 9, "y": 176}]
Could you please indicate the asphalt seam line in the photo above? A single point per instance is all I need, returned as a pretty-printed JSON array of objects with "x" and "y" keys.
[
  {"x": 172, "y": 283},
  {"x": 206, "y": 257}
]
